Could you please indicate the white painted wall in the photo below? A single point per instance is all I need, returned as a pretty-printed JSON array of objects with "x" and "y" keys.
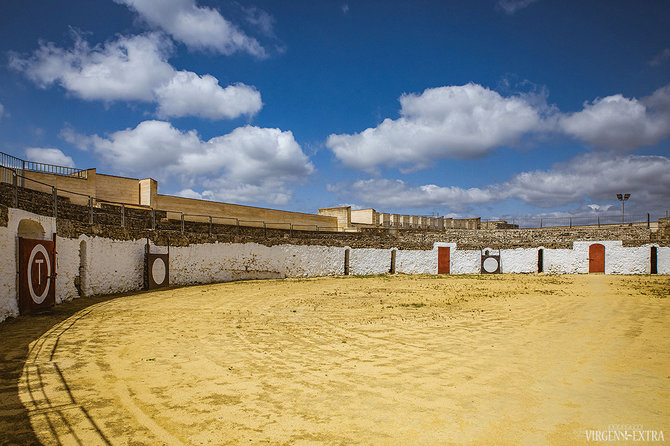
[
  {"x": 663, "y": 260},
  {"x": 466, "y": 262},
  {"x": 412, "y": 261},
  {"x": 370, "y": 261},
  {"x": 67, "y": 262},
  {"x": 519, "y": 260},
  {"x": 220, "y": 262},
  {"x": 114, "y": 266},
  {"x": 563, "y": 261}
]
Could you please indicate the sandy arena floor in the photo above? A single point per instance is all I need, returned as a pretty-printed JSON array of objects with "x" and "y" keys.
[{"x": 514, "y": 359}]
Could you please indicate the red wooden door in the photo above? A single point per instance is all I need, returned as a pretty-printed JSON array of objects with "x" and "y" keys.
[
  {"x": 443, "y": 259},
  {"x": 37, "y": 275},
  {"x": 596, "y": 258}
]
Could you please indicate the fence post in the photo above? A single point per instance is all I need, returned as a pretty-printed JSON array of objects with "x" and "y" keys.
[
  {"x": 182, "y": 222},
  {"x": 237, "y": 223},
  {"x": 153, "y": 219},
  {"x": 90, "y": 210},
  {"x": 290, "y": 230},
  {"x": 123, "y": 215},
  {"x": 598, "y": 220},
  {"x": 23, "y": 173},
  {"x": 648, "y": 221},
  {"x": 55, "y": 195},
  {"x": 265, "y": 230},
  {"x": 540, "y": 222},
  {"x": 570, "y": 221},
  {"x": 15, "y": 181},
  {"x": 210, "y": 225}
]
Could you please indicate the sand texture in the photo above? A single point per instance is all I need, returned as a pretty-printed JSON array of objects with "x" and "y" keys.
[{"x": 513, "y": 359}]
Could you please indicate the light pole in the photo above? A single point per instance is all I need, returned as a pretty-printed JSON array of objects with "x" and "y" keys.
[{"x": 622, "y": 198}]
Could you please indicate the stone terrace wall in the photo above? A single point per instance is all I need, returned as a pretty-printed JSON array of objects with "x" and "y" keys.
[{"x": 73, "y": 221}]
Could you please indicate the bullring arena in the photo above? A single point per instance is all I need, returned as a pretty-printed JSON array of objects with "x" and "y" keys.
[
  {"x": 370, "y": 360},
  {"x": 126, "y": 325}
]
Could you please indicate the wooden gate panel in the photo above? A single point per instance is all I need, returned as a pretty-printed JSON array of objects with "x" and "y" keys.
[
  {"x": 653, "y": 259},
  {"x": 443, "y": 260},
  {"x": 37, "y": 275},
  {"x": 596, "y": 258},
  {"x": 158, "y": 270},
  {"x": 491, "y": 263}
]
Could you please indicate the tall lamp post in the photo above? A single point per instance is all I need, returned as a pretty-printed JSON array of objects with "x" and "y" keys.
[{"x": 622, "y": 198}]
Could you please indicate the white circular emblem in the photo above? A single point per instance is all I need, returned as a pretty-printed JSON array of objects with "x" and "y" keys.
[
  {"x": 490, "y": 264},
  {"x": 39, "y": 248},
  {"x": 158, "y": 271}
]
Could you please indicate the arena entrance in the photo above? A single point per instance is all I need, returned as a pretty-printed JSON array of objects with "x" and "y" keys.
[
  {"x": 596, "y": 258},
  {"x": 443, "y": 260},
  {"x": 37, "y": 274}
]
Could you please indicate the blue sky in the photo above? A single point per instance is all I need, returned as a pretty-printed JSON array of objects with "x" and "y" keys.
[{"x": 493, "y": 108}]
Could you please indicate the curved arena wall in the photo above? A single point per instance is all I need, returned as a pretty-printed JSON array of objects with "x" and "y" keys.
[{"x": 112, "y": 266}]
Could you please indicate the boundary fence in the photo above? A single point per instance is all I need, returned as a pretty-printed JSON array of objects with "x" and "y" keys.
[
  {"x": 588, "y": 220},
  {"x": 97, "y": 211},
  {"x": 15, "y": 165}
]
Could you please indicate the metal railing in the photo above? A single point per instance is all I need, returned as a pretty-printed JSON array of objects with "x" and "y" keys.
[
  {"x": 21, "y": 166},
  {"x": 589, "y": 220},
  {"x": 119, "y": 214}
]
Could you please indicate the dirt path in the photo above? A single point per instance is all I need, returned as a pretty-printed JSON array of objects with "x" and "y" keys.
[{"x": 384, "y": 360}]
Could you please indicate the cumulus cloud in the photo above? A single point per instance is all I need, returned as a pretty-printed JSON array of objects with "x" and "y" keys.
[
  {"x": 620, "y": 123},
  {"x": 200, "y": 28},
  {"x": 188, "y": 94},
  {"x": 49, "y": 156},
  {"x": 584, "y": 179},
  {"x": 471, "y": 121},
  {"x": 250, "y": 164},
  {"x": 135, "y": 69},
  {"x": 467, "y": 121},
  {"x": 387, "y": 193},
  {"x": 128, "y": 68},
  {"x": 596, "y": 177},
  {"x": 512, "y": 6}
]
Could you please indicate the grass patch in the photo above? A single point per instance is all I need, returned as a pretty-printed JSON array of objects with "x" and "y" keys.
[{"x": 414, "y": 305}]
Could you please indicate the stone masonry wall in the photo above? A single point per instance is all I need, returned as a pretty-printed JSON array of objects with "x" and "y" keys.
[{"x": 73, "y": 221}]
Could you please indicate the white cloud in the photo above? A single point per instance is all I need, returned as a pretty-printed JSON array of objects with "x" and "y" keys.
[
  {"x": 261, "y": 20},
  {"x": 200, "y": 28},
  {"x": 660, "y": 58},
  {"x": 386, "y": 193},
  {"x": 136, "y": 69},
  {"x": 584, "y": 179},
  {"x": 2, "y": 110},
  {"x": 128, "y": 68},
  {"x": 596, "y": 176},
  {"x": 49, "y": 156},
  {"x": 188, "y": 94},
  {"x": 511, "y": 6},
  {"x": 471, "y": 121},
  {"x": 250, "y": 164},
  {"x": 620, "y": 123},
  {"x": 467, "y": 121}
]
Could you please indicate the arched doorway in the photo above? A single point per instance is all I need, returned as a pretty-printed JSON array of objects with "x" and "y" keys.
[
  {"x": 596, "y": 258},
  {"x": 30, "y": 229}
]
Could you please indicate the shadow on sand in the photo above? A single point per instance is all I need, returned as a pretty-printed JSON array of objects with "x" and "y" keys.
[{"x": 17, "y": 344}]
